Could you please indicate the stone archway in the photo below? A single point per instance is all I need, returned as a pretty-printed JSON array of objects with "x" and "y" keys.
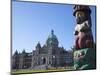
[{"x": 44, "y": 60}]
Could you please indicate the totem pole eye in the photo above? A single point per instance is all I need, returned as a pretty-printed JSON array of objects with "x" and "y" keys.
[
  {"x": 80, "y": 14},
  {"x": 82, "y": 53}
]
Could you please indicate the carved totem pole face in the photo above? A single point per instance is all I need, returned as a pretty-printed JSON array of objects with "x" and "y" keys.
[{"x": 80, "y": 17}]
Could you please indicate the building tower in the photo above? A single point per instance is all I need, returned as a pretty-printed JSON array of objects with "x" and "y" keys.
[
  {"x": 15, "y": 60},
  {"x": 52, "y": 43},
  {"x": 38, "y": 48}
]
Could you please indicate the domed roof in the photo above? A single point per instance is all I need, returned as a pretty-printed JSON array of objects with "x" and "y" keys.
[
  {"x": 52, "y": 35},
  {"x": 52, "y": 38}
]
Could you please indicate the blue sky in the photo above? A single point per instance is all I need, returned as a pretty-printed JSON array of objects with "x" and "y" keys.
[{"x": 32, "y": 22}]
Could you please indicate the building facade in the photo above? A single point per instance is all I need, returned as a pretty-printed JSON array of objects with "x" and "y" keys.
[{"x": 47, "y": 56}]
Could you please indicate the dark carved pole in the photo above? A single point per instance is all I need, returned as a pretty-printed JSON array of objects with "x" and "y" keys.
[{"x": 84, "y": 44}]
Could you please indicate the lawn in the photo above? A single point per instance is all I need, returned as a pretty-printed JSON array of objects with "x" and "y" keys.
[{"x": 27, "y": 71}]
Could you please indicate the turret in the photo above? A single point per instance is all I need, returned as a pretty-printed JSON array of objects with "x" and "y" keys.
[
  {"x": 38, "y": 48},
  {"x": 16, "y": 52}
]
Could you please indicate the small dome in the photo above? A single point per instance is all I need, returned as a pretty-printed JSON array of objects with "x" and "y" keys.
[
  {"x": 52, "y": 39},
  {"x": 52, "y": 35}
]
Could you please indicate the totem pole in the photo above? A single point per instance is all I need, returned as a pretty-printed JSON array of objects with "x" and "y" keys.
[{"x": 84, "y": 54}]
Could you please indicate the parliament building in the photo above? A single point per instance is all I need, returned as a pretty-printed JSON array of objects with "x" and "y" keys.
[{"x": 50, "y": 55}]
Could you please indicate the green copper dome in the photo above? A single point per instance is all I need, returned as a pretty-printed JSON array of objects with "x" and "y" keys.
[
  {"x": 52, "y": 39},
  {"x": 51, "y": 36}
]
